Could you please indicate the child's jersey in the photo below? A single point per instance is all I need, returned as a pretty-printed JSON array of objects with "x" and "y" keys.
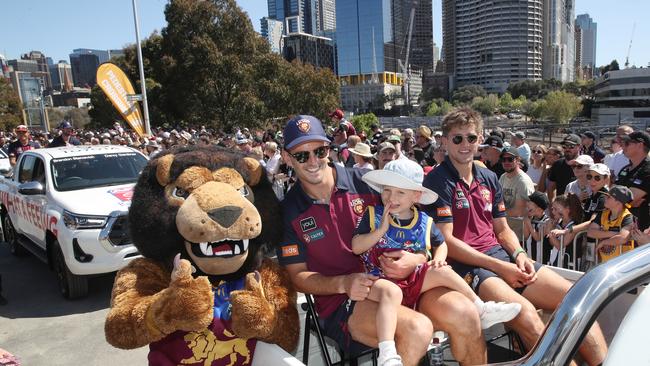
[{"x": 615, "y": 225}]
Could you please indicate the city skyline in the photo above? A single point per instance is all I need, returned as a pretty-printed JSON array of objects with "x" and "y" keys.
[{"x": 37, "y": 33}]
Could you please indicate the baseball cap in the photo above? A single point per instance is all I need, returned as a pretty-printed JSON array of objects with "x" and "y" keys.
[
  {"x": 65, "y": 124},
  {"x": 600, "y": 168},
  {"x": 511, "y": 151},
  {"x": 637, "y": 136},
  {"x": 493, "y": 141},
  {"x": 385, "y": 146},
  {"x": 337, "y": 113},
  {"x": 582, "y": 160},
  {"x": 394, "y": 138},
  {"x": 21, "y": 128},
  {"x": 589, "y": 134},
  {"x": 401, "y": 173},
  {"x": 621, "y": 194},
  {"x": 303, "y": 128},
  {"x": 520, "y": 135},
  {"x": 572, "y": 139},
  {"x": 540, "y": 199}
]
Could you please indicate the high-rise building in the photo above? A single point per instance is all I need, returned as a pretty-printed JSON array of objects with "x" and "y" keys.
[
  {"x": 102, "y": 55},
  {"x": 586, "y": 33},
  {"x": 559, "y": 40},
  {"x": 84, "y": 67},
  {"x": 271, "y": 30},
  {"x": 436, "y": 55},
  {"x": 372, "y": 37},
  {"x": 492, "y": 43},
  {"x": 4, "y": 67},
  {"x": 326, "y": 15},
  {"x": 310, "y": 49},
  {"x": 61, "y": 74},
  {"x": 304, "y": 16}
]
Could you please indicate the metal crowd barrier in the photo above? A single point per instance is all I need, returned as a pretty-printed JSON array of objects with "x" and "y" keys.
[
  {"x": 573, "y": 262},
  {"x": 539, "y": 257}
]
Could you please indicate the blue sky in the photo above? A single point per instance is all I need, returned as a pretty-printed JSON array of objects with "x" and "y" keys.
[{"x": 58, "y": 27}]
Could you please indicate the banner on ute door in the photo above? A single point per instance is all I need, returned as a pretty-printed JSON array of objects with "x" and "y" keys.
[{"x": 116, "y": 86}]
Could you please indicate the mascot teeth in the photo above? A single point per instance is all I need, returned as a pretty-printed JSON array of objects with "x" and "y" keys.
[{"x": 230, "y": 248}]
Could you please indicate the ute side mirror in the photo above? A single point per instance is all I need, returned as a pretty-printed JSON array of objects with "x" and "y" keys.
[
  {"x": 7, "y": 173},
  {"x": 31, "y": 188}
]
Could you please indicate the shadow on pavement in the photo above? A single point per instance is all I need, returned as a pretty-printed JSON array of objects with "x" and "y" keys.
[{"x": 32, "y": 291}]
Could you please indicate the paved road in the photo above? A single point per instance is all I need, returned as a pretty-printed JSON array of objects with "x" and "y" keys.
[{"x": 42, "y": 328}]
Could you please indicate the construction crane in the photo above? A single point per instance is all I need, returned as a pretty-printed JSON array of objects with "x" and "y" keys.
[
  {"x": 627, "y": 58},
  {"x": 404, "y": 66}
]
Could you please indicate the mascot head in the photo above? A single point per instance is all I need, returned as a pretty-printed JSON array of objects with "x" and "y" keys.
[{"x": 212, "y": 205}]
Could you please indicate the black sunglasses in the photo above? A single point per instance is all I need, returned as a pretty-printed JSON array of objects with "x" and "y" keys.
[
  {"x": 508, "y": 159},
  {"x": 538, "y": 152},
  {"x": 459, "y": 138},
  {"x": 569, "y": 146},
  {"x": 303, "y": 156},
  {"x": 597, "y": 178}
]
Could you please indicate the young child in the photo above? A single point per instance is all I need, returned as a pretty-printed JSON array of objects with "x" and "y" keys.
[
  {"x": 533, "y": 222},
  {"x": 398, "y": 225},
  {"x": 567, "y": 212},
  {"x": 612, "y": 226}
]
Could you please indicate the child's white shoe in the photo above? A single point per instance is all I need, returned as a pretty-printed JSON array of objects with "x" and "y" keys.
[
  {"x": 497, "y": 312},
  {"x": 393, "y": 360}
]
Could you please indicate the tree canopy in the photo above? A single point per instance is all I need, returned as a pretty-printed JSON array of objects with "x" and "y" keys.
[
  {"x": 208, "y": 66},
  {"x": 466, "y": 94},
  {"x": 10, "y": 106}
]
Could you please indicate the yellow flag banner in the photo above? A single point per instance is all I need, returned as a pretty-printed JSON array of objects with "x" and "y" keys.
[{"x": 116, "y": 86}]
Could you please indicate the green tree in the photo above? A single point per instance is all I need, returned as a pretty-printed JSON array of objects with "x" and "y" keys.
[
  {"x": 505, "y": 102},
  {"x": 518, "y": 103},
  {"x": 433, "y": 110},
  {"x": 102, "y": 113},
  {"x": 613, "y": 66},
  {"x": 445, "y": 108},
  {"x": 10, "y": 106},
  {"x": 362, "y": 122},
  {"x": 486, "y": 105},
  {"x": 560, "y": 106},
  {"x": 465, "y": 94}
]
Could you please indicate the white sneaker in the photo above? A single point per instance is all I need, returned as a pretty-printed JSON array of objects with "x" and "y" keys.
[
  {"x": 394, "y": 360},
  {"x": 498, "y": 312}
]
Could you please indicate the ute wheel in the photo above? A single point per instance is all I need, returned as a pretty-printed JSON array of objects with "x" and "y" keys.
[
  {"x": 11, "y": 237},
  {"x": 72, "y": 286}
]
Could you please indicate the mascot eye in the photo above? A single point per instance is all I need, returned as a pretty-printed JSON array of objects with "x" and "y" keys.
[
  {"x": 244, "y": 191},
  {"x": 180, "y": 193}
]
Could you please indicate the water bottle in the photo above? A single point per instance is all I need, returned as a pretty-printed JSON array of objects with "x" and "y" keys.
[{"x": 435, "y": 356}]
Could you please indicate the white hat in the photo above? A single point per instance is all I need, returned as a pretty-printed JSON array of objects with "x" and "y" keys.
[
  {"x": 600, "y": 168},
  {"x": 362, "y": 149},
  {"x": 582, "y": 160},
  {"x": 401, "y": 173}
]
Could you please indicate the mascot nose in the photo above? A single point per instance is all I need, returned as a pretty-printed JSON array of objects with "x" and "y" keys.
[{"x": 226, "y": 216}]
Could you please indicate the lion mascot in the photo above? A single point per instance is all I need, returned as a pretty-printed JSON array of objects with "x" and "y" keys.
[{"x": 201, "y": 295}]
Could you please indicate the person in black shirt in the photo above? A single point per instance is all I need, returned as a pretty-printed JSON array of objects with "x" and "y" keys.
[
  {"x": 492, "y": 148},
  {"x": 560, "y": 174},
  {"x": 21, "y": 145},
  {"x": 66, "y": 138},
  {"x": 636, "y": 175},
  {"x": 590, "y": 148}
]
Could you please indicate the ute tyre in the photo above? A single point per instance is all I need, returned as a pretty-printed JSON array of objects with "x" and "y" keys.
[
  {"x": 72, "y": 286},
  {"x": 11, "y": 237}
]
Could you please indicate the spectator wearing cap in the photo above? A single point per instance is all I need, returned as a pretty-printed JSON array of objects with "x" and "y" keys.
[
  {"x": 362, "y": 156},
  {"x": 636, "y": 175},
  {"x": 376, "y": 136},
  {"x": 598, "y": 179},
  {"x": 589, "y": 147},
  {"x": 66, "y": 136},
  {"x": 491, "y": 154},
  {"x": 244, "y": 145},
  {"x": 580, "y": 186},
  {"x": 612, "y": 226},
  {"x": 152, "y": 148},
  {"x": 385, "y": 154},
  {"x": 518, "y": 140},
  {"x": 517, "y": 186},
  {"x": 22, "y": 144},
  {"x": 623, "y": 130},
  {"x": 560, "y": 174},
  {"x": 424, "y": 140},
  {"x": 397, "y": 142},
  {"x": 616, "y": 160},
  {"x": 534, "y": 223}
]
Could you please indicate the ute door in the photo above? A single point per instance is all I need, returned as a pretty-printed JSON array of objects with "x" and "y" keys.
[{"x": 34, "y": 203}]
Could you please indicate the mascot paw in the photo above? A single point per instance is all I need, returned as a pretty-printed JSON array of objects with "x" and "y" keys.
[
  {"x": 188, "y": 302},
  {"x": 252, "y": 315}
]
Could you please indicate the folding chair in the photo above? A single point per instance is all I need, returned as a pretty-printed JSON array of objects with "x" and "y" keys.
[{"x": 313, "y": 324}]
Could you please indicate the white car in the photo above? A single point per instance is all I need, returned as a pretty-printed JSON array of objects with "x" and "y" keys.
[
  {"x": 68, "y": 206},
  {"x": 4, "y": 161}
]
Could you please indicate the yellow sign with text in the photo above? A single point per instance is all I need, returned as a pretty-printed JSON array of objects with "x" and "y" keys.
[{"x": 116, "y": 86}]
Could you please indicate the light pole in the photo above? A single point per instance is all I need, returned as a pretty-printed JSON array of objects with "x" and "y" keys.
[{"x": 143, "y": 86}]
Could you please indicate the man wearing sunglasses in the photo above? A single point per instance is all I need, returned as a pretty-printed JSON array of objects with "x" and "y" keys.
[
  {"x": 471, "y": 214},
  {"x": 636, "y": 175},
  {"x": 321, "y": 212},
  {"x": 492, "y": 148},
  {"x": 517, "y": 186},
  {"x": 560, "y": 173}
]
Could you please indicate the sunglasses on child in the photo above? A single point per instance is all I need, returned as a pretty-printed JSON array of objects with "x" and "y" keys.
[
  {"x": 458, "y": 139},
  {"x": 597, "y": 178},
  {"x": 303, "y": 156}
]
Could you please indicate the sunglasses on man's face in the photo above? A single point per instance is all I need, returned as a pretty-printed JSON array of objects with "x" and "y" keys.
[
  {"x": 303, "y": 156},
  {"x": 507, "y": 159},
  {"x": 597, "y": 178},
  {"x": 568, "y": 146},
  {"x": 458, "y": 139},
  {"x": 540, "y": 152}
]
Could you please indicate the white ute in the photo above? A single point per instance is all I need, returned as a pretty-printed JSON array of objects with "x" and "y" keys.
[{"x": 68, "y": 207}]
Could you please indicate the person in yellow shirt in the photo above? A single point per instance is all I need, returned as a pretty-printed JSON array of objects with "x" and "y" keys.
[{"x": 612, "y": 226}]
